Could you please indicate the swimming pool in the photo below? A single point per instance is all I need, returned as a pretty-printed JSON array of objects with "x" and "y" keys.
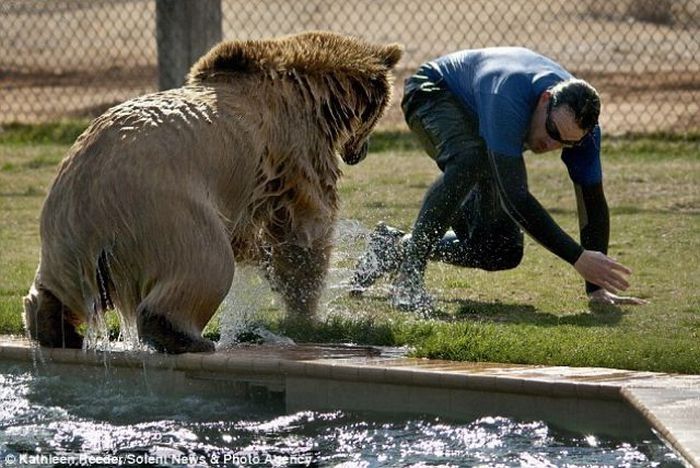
[{"x": 55, "y": 414}]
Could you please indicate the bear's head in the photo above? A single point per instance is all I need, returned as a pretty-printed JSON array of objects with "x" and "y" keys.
[
  {"x": 359, "y": 77},
  {"x": 348, "y": 80},
  {"x": 370, "y": 91}
]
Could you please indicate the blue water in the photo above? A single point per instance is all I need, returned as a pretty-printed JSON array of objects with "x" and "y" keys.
[{"x": 97, "y": 418}]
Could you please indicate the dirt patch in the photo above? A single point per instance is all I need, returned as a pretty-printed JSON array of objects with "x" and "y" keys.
[{"x": 70, "y": 58}]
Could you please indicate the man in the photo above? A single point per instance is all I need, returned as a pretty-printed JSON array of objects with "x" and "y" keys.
[{"x": 475, "y": 112}]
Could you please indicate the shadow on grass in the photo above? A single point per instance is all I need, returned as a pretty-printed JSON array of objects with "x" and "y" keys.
[
  {"x": 498, "y": 312},
  {"x": 338, "y": 329},
  {"x": 678, "y": 209}
]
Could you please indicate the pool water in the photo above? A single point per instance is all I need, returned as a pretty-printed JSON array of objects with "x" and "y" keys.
[{"x": 100, "y": 417}]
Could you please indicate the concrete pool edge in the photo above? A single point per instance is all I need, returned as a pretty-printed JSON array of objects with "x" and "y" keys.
[
  {"x": 669, "y": 403},
  {"x": 676, "y": 422}
]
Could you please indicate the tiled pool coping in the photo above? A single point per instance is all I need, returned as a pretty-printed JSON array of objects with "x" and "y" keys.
[{"x": 670, "y": 403}]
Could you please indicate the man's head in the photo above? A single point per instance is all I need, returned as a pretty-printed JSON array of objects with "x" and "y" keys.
[{"x": 564, "y": 115}]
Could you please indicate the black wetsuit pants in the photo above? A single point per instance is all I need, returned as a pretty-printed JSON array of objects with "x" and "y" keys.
[{"x": 464, "y": 197}]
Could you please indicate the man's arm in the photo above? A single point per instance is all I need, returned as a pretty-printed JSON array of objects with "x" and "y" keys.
[
  {"x": 595, "y": 267},
  {"x": 511, "y": 181},
  {"x": 593, "y": 221},
  {"x": 594, "y": 225}
]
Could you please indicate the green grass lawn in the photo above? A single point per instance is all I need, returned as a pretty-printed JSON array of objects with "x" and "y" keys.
[{"x": 536, "y": 313}]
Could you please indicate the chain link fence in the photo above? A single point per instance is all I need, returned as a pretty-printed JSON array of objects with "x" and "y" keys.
[{"x": 75, "y": 58}]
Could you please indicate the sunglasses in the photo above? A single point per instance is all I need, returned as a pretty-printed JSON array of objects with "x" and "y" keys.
[{"x": 554, "y": 134}]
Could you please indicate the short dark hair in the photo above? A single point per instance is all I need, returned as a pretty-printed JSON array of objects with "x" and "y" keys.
[{"x": 581, "y": 98}]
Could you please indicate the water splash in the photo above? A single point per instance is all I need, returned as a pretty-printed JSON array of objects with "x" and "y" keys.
[
  {"x": 99, "y": 337},
  {"x": 349, "y": 241},
  {"x": 240, "y": 314}
]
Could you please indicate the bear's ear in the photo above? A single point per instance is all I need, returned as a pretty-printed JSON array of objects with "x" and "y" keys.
[{"x": 391, "y": 54}]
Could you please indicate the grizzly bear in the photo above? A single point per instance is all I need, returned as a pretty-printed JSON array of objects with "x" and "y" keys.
[{"x": 161, "y": 195}]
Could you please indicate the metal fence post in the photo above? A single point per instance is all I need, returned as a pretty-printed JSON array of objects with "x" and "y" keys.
[{"x": 185, "y": 30}]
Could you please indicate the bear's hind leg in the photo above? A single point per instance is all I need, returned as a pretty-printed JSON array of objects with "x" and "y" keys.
[
  {"x": 189, "y": 275},
  {"x": 50, "y": 322},
  {"x": 157, "y": 331},
  {"x": 174, "y": 313}
]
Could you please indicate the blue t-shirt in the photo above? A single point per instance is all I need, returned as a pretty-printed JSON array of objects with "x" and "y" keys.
[{"x": 501, "y": 86}]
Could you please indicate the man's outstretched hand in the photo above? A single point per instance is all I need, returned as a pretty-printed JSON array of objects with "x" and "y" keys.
[
  {"x": 606, "y": 272},
  {"x": 601, "y": 296}
]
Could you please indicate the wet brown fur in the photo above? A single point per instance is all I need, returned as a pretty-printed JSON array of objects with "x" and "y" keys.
[{"x": 162, "y": 194}]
